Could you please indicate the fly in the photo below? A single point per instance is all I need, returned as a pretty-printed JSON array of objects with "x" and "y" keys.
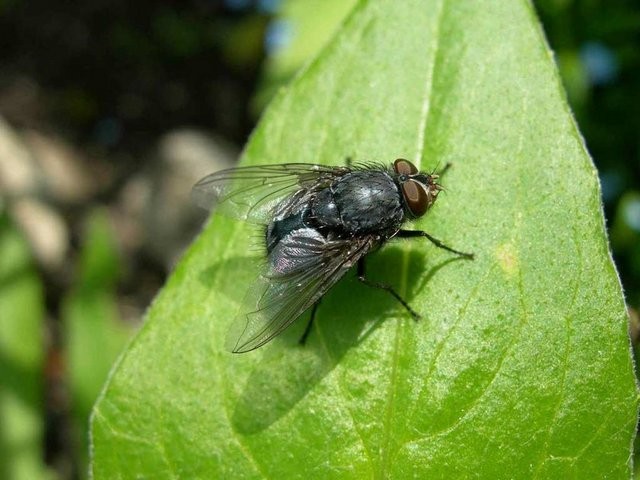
[{"x": 319, "y": 222}]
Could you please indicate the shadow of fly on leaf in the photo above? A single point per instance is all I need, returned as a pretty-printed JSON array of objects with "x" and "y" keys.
[
  {"x": 320, "y": 221},
  {"x": 283, "y": 376}
]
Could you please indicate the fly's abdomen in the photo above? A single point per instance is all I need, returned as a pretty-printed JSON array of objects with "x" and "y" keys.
[{"x": 280, "y": 228}]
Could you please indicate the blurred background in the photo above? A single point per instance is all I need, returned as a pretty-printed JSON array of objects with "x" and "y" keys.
[{"x": 110, "y": 111}]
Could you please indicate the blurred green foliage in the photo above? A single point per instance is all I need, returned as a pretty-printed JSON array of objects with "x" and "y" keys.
[
  {"x": 22, "y": 352},
  {"x": 94, "y": 334}
]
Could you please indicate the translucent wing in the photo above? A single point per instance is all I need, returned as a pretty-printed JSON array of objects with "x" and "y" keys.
[
  {"x": 251, "y": 193},
  {"x": 299, "y": 270}
]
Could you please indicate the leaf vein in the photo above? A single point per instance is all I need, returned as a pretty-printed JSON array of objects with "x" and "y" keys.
[{"x": 420, "y": 146}]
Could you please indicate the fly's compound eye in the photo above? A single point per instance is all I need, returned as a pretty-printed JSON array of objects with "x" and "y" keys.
[
  {"x": 416, "y": 197},
  {"x": 404, "y": 167}
]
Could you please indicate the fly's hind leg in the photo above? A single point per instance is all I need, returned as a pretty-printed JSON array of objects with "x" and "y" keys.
[
  {"x": 387, "y": 288},
  {"x": 307, "y": 329}
]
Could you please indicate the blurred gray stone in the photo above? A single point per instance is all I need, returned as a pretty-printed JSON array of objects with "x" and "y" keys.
[
  {"x": 18, "y": 171},
  {"x": 64, "y": 173},
  {"x": 22, "y": 181},
  {"x": 129, "y": 211},
  {"x": 44, "y": 229},
  {"x": 171, "y": 220},
  {"x": 34, "y": 164},
  {"x": 193, "y": 153}
]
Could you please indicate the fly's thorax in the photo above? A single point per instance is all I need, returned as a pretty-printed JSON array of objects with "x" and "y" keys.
[
  {"x": 324, "y": 210},
  {"x": 368, "y": 201}
]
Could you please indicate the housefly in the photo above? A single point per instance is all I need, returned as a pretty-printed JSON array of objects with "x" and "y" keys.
[{"x": 319, "y": 221}]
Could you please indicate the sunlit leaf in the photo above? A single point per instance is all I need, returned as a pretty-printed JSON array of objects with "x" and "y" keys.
[{"x": 521, "y": 365}]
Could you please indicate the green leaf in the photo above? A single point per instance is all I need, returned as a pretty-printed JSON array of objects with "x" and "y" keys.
[
  {"x": 94, "y": 332},
  {"x": 21, "y": 359},
  {"x": 521, "y": 366}
]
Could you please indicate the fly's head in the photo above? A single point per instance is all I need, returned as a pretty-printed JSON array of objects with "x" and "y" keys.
[{"x": 419, "y": 190}]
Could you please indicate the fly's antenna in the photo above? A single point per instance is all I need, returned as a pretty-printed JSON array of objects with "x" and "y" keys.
[{"x": 440, "y": 174}]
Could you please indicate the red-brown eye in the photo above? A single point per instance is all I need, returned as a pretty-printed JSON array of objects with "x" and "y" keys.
[
  {"x": 416, "y": 197},
  {"x": 404, "y": 167}
]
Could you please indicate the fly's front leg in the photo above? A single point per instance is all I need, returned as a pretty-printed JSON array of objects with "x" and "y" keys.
[
  {"x": 444, "y": 169},
  {"x": 386, "y": 288},
  {"x": 432, "y": 239}
]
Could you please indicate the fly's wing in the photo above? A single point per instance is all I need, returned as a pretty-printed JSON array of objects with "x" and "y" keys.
[
  {"x": 251, "y": 193},
  {"x": 299, "y": 270}
]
